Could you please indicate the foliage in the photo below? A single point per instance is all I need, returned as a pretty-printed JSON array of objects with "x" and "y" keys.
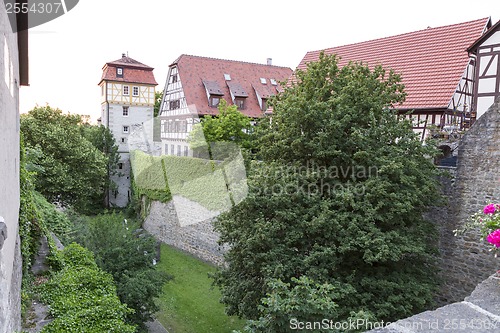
[
  {"x": 102, "y": 138},
  {"x": 82, "y": 298},
  {"x": 487, "y": 222},
  {"x": 74, "y": 171},
  {"x": 230, "y": 125},
  {"x": 53, "y": 219},
  {"x": 29, "y": 220},
  {"x": 158, "y": 99},
  {"x": 189, "y": 303},
  {"x": 202, "y": 181},
  {"x": 128, "y": 256},
  {"x": 338, "y": 198},
  {"x": 290, "y": 305}
]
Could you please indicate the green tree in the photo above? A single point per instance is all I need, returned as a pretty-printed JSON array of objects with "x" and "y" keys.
[
  {"x": 74, "y": 171},
  {"x": 158, "y": 99},
  {"x": 338, "y": 198},
  {"x": 230, "y": 128},
  {"x": 128, "y": 257},
  {"x": 102, "y": 138}
]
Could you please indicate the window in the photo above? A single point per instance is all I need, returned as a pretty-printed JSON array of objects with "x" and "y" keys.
[
  {"x": 125, "y": 129},
  {"x": 135, "y": 91},
  {"x": 273, "y": 82},
  {"x": 178, "y": 150},
  {"x": 172, "y": 150},
  {"x": 264, "y": 106},
  {"x": 214, "y": 101},
  {"x": 186, "y": 150},
  {"x": 125, "y": 90},
  {"x": 123, "y": 140},
  {"x": 119, "y": 72},
  {"x": 240, "y": 103},
  {"x": 120, "y": 166},
  {"x": 125, "y": 111},
  {"x": 173, "y": 78},
  {"x": 263, "y": 80},
  {"x": 102, "y": 90},
  {"x": 175, "y": 104},
  {"x": 227, "y": 77}
]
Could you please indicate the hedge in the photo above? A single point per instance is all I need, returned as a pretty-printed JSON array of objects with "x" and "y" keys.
[{"x": 200, "y": 180}]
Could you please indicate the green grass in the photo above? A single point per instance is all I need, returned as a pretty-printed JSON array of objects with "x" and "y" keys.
[{"x": 189, "y": 303}]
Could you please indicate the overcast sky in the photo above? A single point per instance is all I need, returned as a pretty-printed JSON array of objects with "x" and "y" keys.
[{"x": 67, "y": 54}]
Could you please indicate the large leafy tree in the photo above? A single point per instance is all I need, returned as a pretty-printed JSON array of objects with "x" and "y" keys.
[
  {"x": 127, "y": 254},
  {"x": 74, "y": 170},
  {"x": 213, "y": 133},
  {"x": 338, "y": 198},
  {"x": 102, "y": 138}
]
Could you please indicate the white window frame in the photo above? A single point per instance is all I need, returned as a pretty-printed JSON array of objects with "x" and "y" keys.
[
  {"x": 125, "y": 90},
  {"x": 126, "y": 129},
  {"x": 134, "y": 90}
]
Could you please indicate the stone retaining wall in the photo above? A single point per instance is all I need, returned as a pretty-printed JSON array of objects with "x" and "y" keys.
[{"x": 198, "y": 237}]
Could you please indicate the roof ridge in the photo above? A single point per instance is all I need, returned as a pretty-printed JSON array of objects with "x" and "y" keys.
[
  {"x": 228, "y": 60},
  {"x": 401, "y": 34}
]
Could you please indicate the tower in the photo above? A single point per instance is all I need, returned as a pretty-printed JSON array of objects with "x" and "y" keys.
[{"x": 127, "y": 101}]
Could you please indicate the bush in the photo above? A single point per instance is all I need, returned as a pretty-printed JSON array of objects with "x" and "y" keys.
[{"x": 82, "y": 297}]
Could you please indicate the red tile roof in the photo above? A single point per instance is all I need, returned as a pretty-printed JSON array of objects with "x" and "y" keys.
[
  {"x": 133, "y": 71},
  {"x": 431, "y": 61},
  {"x": 194, "y": 70}
]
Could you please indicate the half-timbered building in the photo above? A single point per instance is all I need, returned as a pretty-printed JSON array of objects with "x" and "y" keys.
[
  {"x": 127, "y": 101},
  {"x": 485, "y": 54},
  {"x": 195, "y": 86},
  {"x": 438, "y": 73}
]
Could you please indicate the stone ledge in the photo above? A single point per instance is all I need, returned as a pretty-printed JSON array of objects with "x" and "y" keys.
[{"x": 478, "y": 313}]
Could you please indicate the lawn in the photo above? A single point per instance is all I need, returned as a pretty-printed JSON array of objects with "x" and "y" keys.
[{"x": 189, "y": 303}]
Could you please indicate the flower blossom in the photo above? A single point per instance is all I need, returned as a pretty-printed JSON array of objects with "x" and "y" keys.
[
  {"x": 489, "y": 209},
  {"x": 494, "y": 238}
]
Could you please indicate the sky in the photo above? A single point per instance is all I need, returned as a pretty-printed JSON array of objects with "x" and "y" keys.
[{"x": 67, "y": 54}]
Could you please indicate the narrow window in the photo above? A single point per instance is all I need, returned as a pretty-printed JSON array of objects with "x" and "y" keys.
[
  {"x": 173, "y": 78},
  {"x": 186, "y": 150},
  {"x": 120, "y": 166},
  {"x": 240, "y": 103},
  {"x": 178, "y": 150},
  {"x": 175, "y": 104},
  {"x": 172, "y": 150},
  {"x": 125, "y": 129},
  {"x": 125, "y": 90},
  {"x": 135, "y": 91},
  {"x": 214, "y": 101},
  {"x": 122, "y": 140},
  {"x": 119, "y": 72},
  {"x": 125, "y": 111}
]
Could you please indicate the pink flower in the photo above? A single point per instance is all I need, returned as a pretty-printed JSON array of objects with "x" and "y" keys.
[
  {"x": 494, "y": 238},
  {"x": 489, "y": 209}
]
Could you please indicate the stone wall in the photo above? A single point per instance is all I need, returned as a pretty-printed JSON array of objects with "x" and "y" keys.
[
  {"x": 197, "y": 238},
  {"x": 465, "y": 260},
  {"x": 10, "y": 259}
]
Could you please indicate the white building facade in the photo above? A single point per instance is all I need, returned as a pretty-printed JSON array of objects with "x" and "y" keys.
[{"x": 127, "y": 105}]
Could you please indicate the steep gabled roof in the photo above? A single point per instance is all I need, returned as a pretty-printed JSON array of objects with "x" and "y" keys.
[
  {"x": 431, "y": 61},
  {"x": 484, "y": 37},
  {"x": 133, "y": 71},
  {"x": 194, "y": 71}
]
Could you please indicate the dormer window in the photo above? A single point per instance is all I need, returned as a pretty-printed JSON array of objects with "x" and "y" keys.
[
  {"x": 214, "y": 92},
  {"x": 119, "y": 71},
  {"x": 240, "y": 103},
  {"x": 214, "y": 101}
]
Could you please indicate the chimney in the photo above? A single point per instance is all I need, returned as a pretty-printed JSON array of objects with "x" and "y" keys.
[
  {"x": 123, "y": 55},
  {"x": 269, "y": 61}
]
